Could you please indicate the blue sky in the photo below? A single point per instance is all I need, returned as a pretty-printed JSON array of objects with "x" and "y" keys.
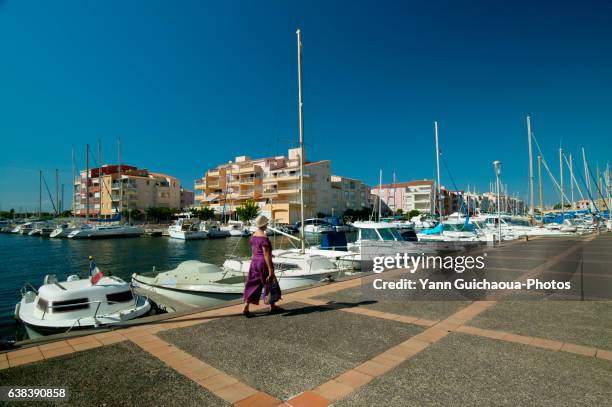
[{"x": 187, "y": 85}]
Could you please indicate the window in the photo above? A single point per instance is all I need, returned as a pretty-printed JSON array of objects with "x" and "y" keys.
[
  {"x": 368, "y": 234},
  {"x": 123, "y": 296},
  {"x": 69, "y": 305}
]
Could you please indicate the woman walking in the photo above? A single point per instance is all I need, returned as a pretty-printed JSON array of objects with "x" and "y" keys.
[{"x": 261, "y": 272}]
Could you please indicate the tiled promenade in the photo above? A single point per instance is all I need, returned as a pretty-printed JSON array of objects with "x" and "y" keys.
[{"x": 335, "y": 345}]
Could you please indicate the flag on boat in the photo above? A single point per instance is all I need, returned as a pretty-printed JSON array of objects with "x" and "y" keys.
[
  {"x": 94, "y": 272},
  {"x": 97, "y": 276}
]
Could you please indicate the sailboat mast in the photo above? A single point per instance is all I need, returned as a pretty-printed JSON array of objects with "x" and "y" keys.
[
  {"x": 301, "y": 119},
  {"x": 120, "y": 208},
  {"x": 438, "y": 196},
  {"x": 561, "y": 182},
  {"x": 39, "y": 193},
  {"x": 86, "y": 182},
  {"x": 586, "y": 174},
  {"x": 57, "y": 202},
  {"x": 73, "y": 193},
  {"x": 99, "y": 179},
  {"x": 531, "y": 193},
  {"x": 540, "y": 184},
  {"x": 571, "y": 169},
  {"x": 379, "y": 194}
]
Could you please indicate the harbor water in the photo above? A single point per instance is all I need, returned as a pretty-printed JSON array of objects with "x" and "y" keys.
[{"x": 27, "y": 259}]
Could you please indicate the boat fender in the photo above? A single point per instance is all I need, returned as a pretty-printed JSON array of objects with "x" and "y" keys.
[{"x": 17, "y": 307}]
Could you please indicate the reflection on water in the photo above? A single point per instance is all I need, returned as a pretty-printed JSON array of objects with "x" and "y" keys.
[{"x": 29, "y": 259}]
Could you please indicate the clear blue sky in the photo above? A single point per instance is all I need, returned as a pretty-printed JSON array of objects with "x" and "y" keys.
[{"x": 187, "y": 85}]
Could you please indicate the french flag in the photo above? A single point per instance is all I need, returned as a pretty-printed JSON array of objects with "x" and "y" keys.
[{"x": 95, "y": 273}]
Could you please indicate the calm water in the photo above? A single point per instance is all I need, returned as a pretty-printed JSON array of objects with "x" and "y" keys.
[{"x": 28, "y": 259}]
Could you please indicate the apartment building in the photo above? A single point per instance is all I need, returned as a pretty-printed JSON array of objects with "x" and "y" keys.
[
  {"x": 418, "y": 194},
  {"x": 349, "y": 193},
  {"x": 113, "y": 188},
  {"x": 187, "y": 198},
  {"x": 273, "y": 183}
]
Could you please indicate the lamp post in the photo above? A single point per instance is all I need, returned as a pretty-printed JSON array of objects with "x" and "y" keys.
[{"x": 497, "y": 168}]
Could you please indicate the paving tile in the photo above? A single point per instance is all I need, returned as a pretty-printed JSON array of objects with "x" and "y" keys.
[
  {"x": 579, "y": 349},
  {"x": 218, "y": 381},
  {"x": 81, "y": 339},
  {"x": 259, "y": 399},
  {"x": 4, "y": 364},
  {"x": 354, "y": 378},
  {"x": 431, "y": 335},
  {"x": 235, "y": 392},
  {"x": 372, "y": 368},
  {"x": 110, "y": 339},
  {"x": 52, "y": 353},
  {"x": 525, "y": 340},
  {"x": 53, "y": 345},
  {"x": 23, "y": 352},
  {"x": 546, "y": 344},
  {"x": 3, "y": 356},
  {"x": 333, "y": 390},
  {"x": 87, "y": 345},
  {"x": 604, "y": 354},
  {"x": 25, "y": 359}
]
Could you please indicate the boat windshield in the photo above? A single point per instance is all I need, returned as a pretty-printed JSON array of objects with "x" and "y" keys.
[
  {"x": 389, "y": 234},
  {"x": 458, "y": 227}
]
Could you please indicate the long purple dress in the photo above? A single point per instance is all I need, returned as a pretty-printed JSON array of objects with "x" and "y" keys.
[{"x": 258, "y": 272}]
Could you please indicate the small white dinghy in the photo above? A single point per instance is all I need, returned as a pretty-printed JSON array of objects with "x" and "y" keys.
[{"x": 78, "y": 303}]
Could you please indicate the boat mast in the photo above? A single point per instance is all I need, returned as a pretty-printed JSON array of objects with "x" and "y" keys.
[
  {"x": 531, "y": 193},
  {"x": 39, "y": 194},
  {"x": 73, "y": 193},
  {"x": 572, "y": 181},
  {"x": 586, "y": 176},
  {"x": 561, "y": 182},
  {"x": 540, "y": 185},
  {"x": 379, "y": 194},
  {"x": 301, "y": 120},
  {"x": 99, "y": 179},
  {"x": 57, "y": 205},
  {"x": 438, "y": 188},
  {"x": 120, "y": 180},
  {"x": 86, "y": 182}
]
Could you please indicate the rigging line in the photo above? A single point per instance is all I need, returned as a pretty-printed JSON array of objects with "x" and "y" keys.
[
  {"x": 588, "y": 192},
  {"x": 548, "y": 169},
  {"x": 597, "y": 185},
  {"x": 49, "y": 192},
  {"x": 552, "y": 177},
  {"x": 573, "y": 177},
  {"x": 454, "y": 184}
]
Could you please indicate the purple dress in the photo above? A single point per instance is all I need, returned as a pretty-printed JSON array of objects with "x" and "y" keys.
[{"x": 258, "y": 272}]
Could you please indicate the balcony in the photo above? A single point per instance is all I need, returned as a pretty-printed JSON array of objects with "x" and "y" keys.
[{"x": 246, "y": 170}]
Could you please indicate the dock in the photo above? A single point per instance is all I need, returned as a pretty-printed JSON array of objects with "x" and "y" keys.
[{"x": 339, "y": 344}]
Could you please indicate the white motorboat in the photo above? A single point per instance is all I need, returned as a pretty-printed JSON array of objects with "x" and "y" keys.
[
  {"x": 236, "y": 228},
  {"x": 41, "y": 229},
  {"x": 294, "y": 269},
  {"x": 316, "y": 226},
  {"x": 213, "y": 229},
  {"x": 24, "y": 228},
  {"x": 186, "y": 229},
  {"x": 103, "y": 232},
  {"x": 77, "y": 303},
  {"x": 65, "y": 229},
  {"x": 195, "y": 283}
]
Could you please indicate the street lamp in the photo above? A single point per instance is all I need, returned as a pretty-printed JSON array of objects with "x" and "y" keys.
[{"x": 497, "y": 168}]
